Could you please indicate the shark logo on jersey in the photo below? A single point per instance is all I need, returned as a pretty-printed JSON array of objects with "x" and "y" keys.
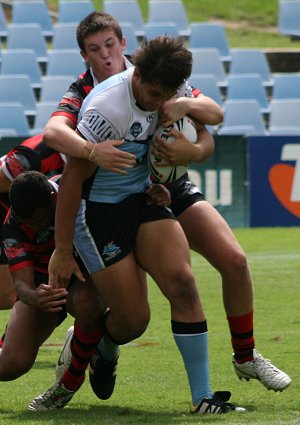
[
  {"x": 136, "y": 129},
  {"x": 110, "y": 251}
]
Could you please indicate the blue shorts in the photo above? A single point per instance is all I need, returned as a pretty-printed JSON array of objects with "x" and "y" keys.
[{"x": 105, "y": 233}]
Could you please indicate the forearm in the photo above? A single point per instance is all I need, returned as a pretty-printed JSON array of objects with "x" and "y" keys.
[
  {"x": 59, "y": 135},
  {"x": 204, "y": 147},
  {"x": 204, "y": 110},
  {"x": 66, "y": 210},
  {"x": 24, "y": 286},
  {"x": 68, "y": 201}
]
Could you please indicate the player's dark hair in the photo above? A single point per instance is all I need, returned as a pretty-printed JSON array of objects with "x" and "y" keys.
[
  {"x": 29, "y": 190},
  {"x": 95, "y": 22},
  {"x": 165, "y": 61}
]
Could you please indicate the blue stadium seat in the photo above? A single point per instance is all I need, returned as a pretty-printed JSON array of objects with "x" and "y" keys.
[
  {"x": 208, "y": 61},
  {"x": 3, "y": 23},
  {"x": 131, "y": 39},
  {"x": 247, "y": 87},
  {"x": 126, "y": 11},
  {"x": 208, "y": 85},
  {"x": 44, "y": 111},
  {"x": 22, "y": 61},
  {"x": 33, "y": 12},
  {"x": 28, "y": 36},
  {"x": 74, "y": 11},
  {"x": 17, "y": 88},
  {"x": 210, "y": 35},
  {"x": 284, "y": 117},
  {"x": 153, "y": 30},
  {"x": 286, "y": 86},
  {"x": 64, "y": 36},
  {"x": 65, "y": 62},
  {"x": 242, "y": 117},
  {"x": 289, "y": 18},
  {"x": 13, "y": 120},
  {"x": 251, "y": 61},
  {"x": 169, "y": 11},
  {"x": 54, "y": 87}
]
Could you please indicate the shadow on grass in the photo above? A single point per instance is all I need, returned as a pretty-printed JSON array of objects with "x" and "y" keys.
[{"x": 115, "y": 415}]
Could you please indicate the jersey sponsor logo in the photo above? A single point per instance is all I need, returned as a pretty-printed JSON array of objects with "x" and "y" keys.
[
  {"x": 13, "y": 249},
  {"x": 150, "y": 118},
  {"x": 99, "y": 126},
  {"x": 284, "y": 179},
  {"x": 110, "y": 251},
  {"x": 16, "y": 164}
]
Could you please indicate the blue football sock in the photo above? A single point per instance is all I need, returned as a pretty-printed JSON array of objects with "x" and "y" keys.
[{"x": 192, "y": 341}]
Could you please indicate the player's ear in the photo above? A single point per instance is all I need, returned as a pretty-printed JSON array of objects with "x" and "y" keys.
[{"x": 54, "y": 196}]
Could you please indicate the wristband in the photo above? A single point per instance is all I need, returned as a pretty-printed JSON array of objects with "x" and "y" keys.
[{"x": 91, "y": 153}]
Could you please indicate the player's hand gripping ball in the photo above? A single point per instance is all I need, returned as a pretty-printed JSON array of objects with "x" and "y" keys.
[{"x": 169, "y": 173}]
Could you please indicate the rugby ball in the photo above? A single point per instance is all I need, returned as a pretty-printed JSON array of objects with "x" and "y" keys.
[{"x": 169, "y": 173}]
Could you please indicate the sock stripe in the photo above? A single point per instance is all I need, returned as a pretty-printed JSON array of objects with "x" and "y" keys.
[{"x": 195, "y": 328}]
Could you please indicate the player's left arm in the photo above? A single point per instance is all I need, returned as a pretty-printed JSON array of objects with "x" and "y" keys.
[
  {"x": 182, "y": 151},
  {"x": 202, "y": 109}
]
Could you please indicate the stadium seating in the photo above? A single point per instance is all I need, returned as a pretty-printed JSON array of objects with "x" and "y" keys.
[
  {"x": 28, "y": 36},
  {"x": 64, "y": 36},
  {"x": 33, "y": 11},
  {"x": 208, "y": 61},
  {"x": 43, "y": 113},
  {"x": 74, "y": 11},
  {"x": 284, "y": 117},
  {"x": 289, "y": 18},
  {"x": 22, "y": 61},
  {"x": 251, "y": 61},
  {"x": 53, "y": 87},
  {"x": 17, "y": 88},
  {"x": 3, "y": 23},
  {"x": 286, "y": 86},
  {"x": 242, "y": 117},
  {"x": 169, "y": 11},
  {"x": 210, "y": 35},
  {"x": 126, "y": 11},
  {"x": 13, "y": 120},
  {"x": 131, "y": 39},
  {"x": 153, "y": 30},
  {"x": 247, "y": 87},
  {"x": 65, "y": 62},
  {"x": 208, "y": 85}
]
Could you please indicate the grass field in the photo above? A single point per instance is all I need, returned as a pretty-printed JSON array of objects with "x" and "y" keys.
[
  {"x": 152, "y": 387},
  {"x": 248, "y": 23}
]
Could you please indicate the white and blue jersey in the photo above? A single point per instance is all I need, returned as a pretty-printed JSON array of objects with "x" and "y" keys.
[{"x": 110, "y": 112}]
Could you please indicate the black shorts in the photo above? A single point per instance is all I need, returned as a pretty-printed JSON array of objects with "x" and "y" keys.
[
  {"x": 184, "y": 193},
  {"x": 106, "y": 233}
]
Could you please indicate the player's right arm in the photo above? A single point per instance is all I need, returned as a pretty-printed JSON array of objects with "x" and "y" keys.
[
  {"x": 62, "y": 263},
  {"x": 59, "y": 135},
  {"x": 43, "y": 297}
]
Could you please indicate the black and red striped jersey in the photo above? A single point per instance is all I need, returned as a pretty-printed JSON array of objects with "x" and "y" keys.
[
  {"x": 72, "y": 100},
  {"x": 32, "y": 154},
  {"x": 25, "y": 247}
]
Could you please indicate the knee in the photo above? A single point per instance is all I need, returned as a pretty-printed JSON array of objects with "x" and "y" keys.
[
  {"x": 11, "y": 368},
  {"x": 86, "y": 308},
  {"x": 182, "y": 287},
  {"x": 238, "y": 264},
  {"x": 132, "y": 326}
]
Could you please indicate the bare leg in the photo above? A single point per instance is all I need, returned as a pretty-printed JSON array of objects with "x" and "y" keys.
[{"x": 27, "y": 329}]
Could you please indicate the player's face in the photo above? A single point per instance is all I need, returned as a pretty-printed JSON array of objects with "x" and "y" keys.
[
  {"x": 104, "y": 53},
  {"x": 42, "y": 219},
  {"x": 149, "y": 97}
]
